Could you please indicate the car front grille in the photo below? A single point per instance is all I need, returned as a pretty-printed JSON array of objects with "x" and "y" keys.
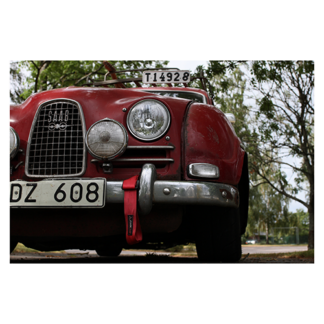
[{"x": 56, "y": 144}]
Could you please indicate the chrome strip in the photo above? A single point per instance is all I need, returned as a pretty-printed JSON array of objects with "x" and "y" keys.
[
  {"x": 145, "y": 193},
  {"x": 114, "y": 192},
  {"x": 84, "y": 131},
  {"x": 144, "y": 160},
  {"x": 158, "y": 147}
]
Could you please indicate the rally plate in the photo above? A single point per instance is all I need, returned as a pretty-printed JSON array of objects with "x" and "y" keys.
[
  {"x": 59, "y": 193},
  {"x": 166, "y": 76}
]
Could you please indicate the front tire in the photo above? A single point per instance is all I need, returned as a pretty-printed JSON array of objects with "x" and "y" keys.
[{"x": 219, "y": 235}]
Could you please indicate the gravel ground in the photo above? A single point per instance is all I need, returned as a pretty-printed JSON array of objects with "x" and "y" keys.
[{"x": 151, "y": 258}]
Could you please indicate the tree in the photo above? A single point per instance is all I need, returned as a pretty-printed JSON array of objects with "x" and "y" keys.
[
  {"x": 47, "y": 75},
  {"x": 267, "y": 207},
  {"x": 283, "y": 126},
  {"x": 285, "y": 129},
  {"x": 16, "y": 83}
]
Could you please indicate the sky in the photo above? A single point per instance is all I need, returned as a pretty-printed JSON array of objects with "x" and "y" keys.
[{"x": 175, "y": 56}]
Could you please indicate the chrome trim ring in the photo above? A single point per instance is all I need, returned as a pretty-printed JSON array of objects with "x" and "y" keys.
[
  {"x": 154, "y": 138},
  {"x": 16, "y": 144},
  {"x": 84, "y": 161},
  {"x": 118, "y": 153}
]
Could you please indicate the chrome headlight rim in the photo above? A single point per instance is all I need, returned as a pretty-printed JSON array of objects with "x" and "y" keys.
[
  {"x": 118, "y": 153},
  {"x": 158, "y": 136},
  {"x": 16, "y": 142}
]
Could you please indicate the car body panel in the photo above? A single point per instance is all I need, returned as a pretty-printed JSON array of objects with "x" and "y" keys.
[
  {"x": 178, "y": 89},
  {"x": 97, "y": 104},
  {"x": 199, "y": 133},
  {"x": 210, "y": 138}
]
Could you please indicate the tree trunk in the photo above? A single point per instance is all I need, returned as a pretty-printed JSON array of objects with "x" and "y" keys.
[
  {"x": 267, "y": 232},
  {"x": 311, "y": 221}
]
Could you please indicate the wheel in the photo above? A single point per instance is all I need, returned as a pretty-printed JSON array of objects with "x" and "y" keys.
[
  {"x": 12, "y": 246},
  {"x": 111, "y": 251},
  {"x": 218, "y": 235}
]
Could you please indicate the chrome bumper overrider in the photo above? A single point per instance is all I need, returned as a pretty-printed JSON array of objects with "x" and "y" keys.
[{"x": 174, "y": 192}]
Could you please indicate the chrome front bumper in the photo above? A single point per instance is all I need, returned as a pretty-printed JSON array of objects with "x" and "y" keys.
[{"x": 174, "y": 192}]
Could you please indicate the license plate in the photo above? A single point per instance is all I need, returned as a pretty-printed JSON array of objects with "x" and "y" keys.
[
  {"x": 58, "y": 193},
  {"x": 166, "y": 76}
]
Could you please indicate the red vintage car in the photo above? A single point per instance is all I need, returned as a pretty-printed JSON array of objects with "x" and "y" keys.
[{"x": 104, "y": 168}]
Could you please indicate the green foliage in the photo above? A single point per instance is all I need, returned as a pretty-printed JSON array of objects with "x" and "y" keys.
[
  {"x": 16, "y": 82},
  {"x": 266, "y": 108},
  {"x": 267, "y": 208},
  {"x": 227, "y": 87},
  {"x": 47, "y": 75}
]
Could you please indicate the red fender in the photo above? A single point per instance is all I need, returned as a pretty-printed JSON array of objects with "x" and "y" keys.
[{"x": 209, "y": 137}]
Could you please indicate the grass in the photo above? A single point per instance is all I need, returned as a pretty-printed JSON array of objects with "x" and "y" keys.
[
  {"x": 289, "y": 255},
  {"x": 177, "y": 251},
  {"x": 185, "y": 255},
  {"x": 183, "y": 248},
  {"x": 21, "y": 248},
  {"x": 154, "y": 255},
  {"x": 264, "y": 244}
]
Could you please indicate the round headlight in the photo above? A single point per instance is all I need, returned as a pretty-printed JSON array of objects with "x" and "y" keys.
[
  {"x": 148, "y": 120},
  {"x": 14, "y": 142},
  {"x": 106, "y": 139}
]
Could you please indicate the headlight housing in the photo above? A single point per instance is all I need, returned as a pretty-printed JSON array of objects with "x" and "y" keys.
[
  {"x": 14, "y": 142},
  {"x": 106, "y": 139},
  {"x": 148, "y": 120}
]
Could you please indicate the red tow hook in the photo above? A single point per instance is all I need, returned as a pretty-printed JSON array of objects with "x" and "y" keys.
[{"x": 133, "y": 227}]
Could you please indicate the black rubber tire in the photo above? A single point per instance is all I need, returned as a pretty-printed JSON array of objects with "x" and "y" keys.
[
  {"x": 12, "y": 246},
  {"x": 218, "y": 237},
  {"x": 109, "y": 251}
]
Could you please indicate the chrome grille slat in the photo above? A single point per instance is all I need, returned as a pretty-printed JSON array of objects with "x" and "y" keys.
[
  {"x": 57, "y": 152},
  {"x": 155, "y": 153},
  {"x": 151, "y": 147},
  {"x": 145, "y": 160}
]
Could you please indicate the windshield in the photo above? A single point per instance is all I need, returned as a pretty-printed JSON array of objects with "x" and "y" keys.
[{"x": 181, "y": 94}]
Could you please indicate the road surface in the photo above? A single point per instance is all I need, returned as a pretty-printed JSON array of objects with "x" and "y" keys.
[
  {"x": 90, "y": 256},
  {"x": 252, "y": 249}
]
